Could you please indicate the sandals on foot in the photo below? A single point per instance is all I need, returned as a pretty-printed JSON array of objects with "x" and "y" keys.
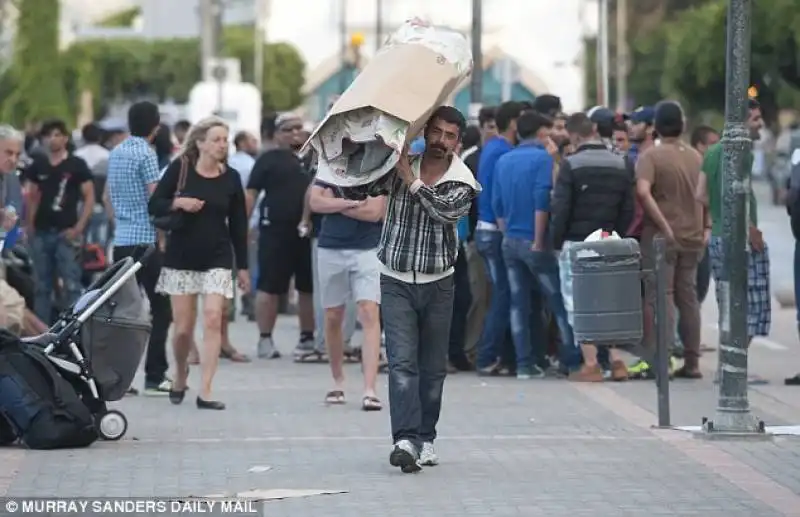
[
  {"x": 371, "y": 404},
  {"x": 233, "y": 355},
  {"x": 335, "y": 397}
]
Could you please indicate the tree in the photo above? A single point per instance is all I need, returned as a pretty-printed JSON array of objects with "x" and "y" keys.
[
  {"x": 168, "y": 69},
  {"x": 694, "y": 64},
  {"x": 124, "y": 18},
  {"x": 35, "y": 74}
]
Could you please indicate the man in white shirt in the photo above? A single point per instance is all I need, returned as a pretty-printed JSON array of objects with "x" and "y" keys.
[
  {"x": 96, "y": 157},
  {"x": 243, "y": 160},
  {"x": 245, "y": 156}
]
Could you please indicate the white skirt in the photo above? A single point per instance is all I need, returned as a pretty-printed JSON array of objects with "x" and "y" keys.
[{"x": 179, "y": 282}]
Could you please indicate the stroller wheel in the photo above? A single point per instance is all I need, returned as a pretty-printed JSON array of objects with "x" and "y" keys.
[{"x": 112, "y": 425}]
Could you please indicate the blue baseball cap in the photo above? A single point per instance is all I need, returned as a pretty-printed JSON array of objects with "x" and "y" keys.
[
  {"x": 643, "y": 115},
  {"x": 601, "y": 115}
]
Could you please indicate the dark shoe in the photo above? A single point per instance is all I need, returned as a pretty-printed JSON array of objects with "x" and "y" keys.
[
  {"x": 210, "y": 404},
  {"x": 176, "y": 397},
  {"x": 461, "y": 363},
  {"x": 686, "y": 372},
  {"x": 793, "y": 381}
]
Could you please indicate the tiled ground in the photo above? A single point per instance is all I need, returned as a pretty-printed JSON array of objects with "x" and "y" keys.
[{"x": 507, "y": 448}]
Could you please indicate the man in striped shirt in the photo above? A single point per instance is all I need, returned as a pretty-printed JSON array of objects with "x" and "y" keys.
[{"x": 427, "y": 195}]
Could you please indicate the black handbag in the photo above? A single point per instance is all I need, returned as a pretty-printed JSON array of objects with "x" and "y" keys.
[{"x": 175, "y": 219}]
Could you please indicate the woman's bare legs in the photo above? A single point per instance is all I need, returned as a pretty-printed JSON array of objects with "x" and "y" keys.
[
  {"x": 184, "y": 317},
  {"x": 213, "y": 309}
]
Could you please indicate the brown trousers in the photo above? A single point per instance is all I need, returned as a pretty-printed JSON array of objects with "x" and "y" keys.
[{"x": 681, "y": 280}]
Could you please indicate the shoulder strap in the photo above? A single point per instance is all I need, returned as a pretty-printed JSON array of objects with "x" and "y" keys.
[{"x": 183, "y": 174}]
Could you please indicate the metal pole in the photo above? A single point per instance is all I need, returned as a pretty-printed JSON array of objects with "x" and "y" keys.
[
  {"x": 343, "y": 83},
  {"x": 733, "y": 409},
  {"x": 258, "y": 41},
  {"x": 507, "y": 80},
  {"x": 378, "y": 24},
  {"x": 663, "y": 329},
  {"x": 207, "y": 44},
  {"x": 217, "y": 23},
  {"x": 623, "y": 55},
  {"x": 602, "y": 54},
  {"x": 476, "y": 83}
]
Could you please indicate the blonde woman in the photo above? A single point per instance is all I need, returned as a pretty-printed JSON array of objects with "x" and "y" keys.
[{"x": 204, "y": 200}]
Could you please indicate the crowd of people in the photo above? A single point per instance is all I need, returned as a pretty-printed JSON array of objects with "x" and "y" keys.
[{"x": 471, "y": 226}]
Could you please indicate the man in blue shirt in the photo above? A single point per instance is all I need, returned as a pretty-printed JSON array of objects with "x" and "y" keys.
[
  {"x": 488, "y": 239},
  {"x": 523, "y": 180},
  {"x": 132, "y": 177}
]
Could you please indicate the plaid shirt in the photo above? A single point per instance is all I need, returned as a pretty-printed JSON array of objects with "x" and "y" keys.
[
  {"x": 419, "y": 232},
  {"x": 132, "y": 166}
]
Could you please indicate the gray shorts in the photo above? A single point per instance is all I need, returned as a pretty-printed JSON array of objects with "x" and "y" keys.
[{"x": 346, "y": 274}]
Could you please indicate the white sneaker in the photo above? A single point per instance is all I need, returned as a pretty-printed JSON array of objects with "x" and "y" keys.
[
  {"x": 404, "y": 455},
  {"x": 428, "y": 457},
  {"x": 266, "y": 349}
]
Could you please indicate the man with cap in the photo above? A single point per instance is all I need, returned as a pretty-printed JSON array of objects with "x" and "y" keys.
[
  {"x": 604, "y": 120},
  {"x": 641, "y": 131},
  {"x": 284, "y": 246}
]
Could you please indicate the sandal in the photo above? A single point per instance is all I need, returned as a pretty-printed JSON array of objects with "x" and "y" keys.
[
  {"x": 369, "y": 403},
  {"x": 233, "y": 355},
  {"x": 335, "y": 397}
]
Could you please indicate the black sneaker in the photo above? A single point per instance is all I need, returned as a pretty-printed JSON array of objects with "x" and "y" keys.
[{"x": 792, "y": 381}]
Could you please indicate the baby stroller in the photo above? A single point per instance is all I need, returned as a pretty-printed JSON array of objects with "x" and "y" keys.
[{"x": 98, "y": 343}]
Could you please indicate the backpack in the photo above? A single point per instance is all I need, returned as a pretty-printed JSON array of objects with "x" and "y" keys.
[{"x": 42, "y": 408}]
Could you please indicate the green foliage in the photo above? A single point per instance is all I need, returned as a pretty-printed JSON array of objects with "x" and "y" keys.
[
  {"x": 128, "y": 69},
  {"x": 687, "y": 52},
  {"x": 168, "y": 69},
  {"x": 33, "y": 87},
  {"x": 123, "y": 18}
]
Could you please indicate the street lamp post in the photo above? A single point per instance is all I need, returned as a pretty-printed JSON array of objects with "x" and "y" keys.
[
  {"x": 476, "y": 82},
  {"x": 733, "y": 409}
]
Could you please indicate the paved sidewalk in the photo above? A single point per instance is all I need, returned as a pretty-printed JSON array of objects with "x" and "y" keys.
[{"x": 508, "y": 448}]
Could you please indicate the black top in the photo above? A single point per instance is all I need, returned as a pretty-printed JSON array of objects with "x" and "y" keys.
[
  {"x": 284, "y": 178},
  {"x": 594, "y": 191},
  {"x": 206, "y": 239},
  {"x": 472, "y": 162},
  {"x": 60, "y": 189}
]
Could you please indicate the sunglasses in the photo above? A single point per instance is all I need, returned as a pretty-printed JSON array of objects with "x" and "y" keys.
[{"x": 291, "y": 129}]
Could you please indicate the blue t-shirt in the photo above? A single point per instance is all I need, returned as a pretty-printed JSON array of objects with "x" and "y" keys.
[
  {"x": 337, "y": 231},
  {"x": 490, "y": 154},
  {"x": 345, "y": 233}
]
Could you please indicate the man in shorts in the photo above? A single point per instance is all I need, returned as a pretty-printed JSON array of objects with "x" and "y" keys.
[
  {"x": 348, "y": 267},
  {"x": 284, "y": 247}
]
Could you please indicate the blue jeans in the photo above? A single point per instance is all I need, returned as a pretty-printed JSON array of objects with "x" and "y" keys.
[
  {"x": 98, "y": 233},
  {"x": 544, "y": 269},
  {"x": 489, "y": 244},
  {"x": 527, "y": 325},
  {"x": 54, "y": 256},
  {"x": 416, "y": 319}
]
